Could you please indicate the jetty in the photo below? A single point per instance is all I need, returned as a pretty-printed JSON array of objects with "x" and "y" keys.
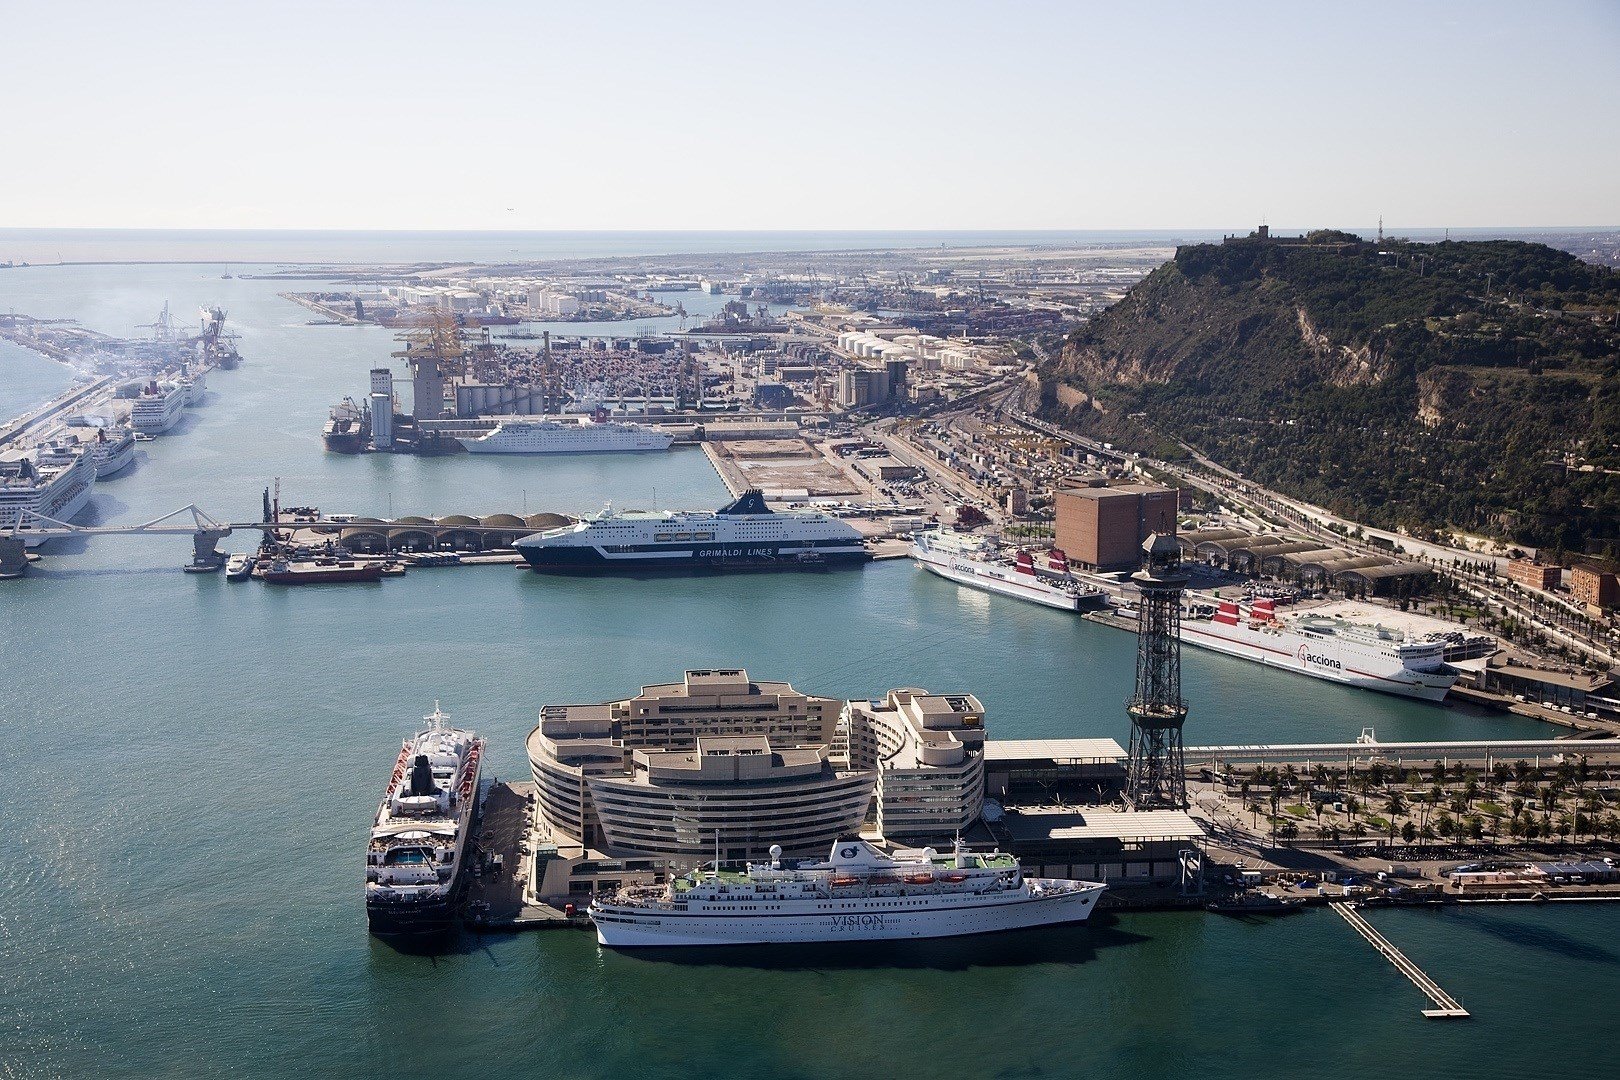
[{"x": 1446, "y": 1007}]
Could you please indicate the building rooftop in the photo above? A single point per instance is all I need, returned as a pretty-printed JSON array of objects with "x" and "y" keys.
[
  {"x": 1062, "y": 823},
  {"x": 1078, "y": 750}
]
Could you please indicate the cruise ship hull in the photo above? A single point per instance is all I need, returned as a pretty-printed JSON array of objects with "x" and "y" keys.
[
  {"x": 621, "y": 926},
  {"x": 62, "y": 506},
  {"x": 473, "y": 446},
  {"x": 579, "y": 559},
  {"x": 991, "y": 580},
  {"x": 1318, "y": 660},
  {"x": 115, "y": 460}
]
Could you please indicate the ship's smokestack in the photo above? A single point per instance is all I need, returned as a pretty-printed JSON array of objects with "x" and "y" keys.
[{"x": 422, "y": 777}]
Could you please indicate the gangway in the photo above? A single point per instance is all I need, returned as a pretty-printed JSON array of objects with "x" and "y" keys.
[{"x": 1446, "y": 1007}]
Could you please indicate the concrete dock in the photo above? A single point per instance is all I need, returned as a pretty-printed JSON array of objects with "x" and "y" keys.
[{"x": 495, "y": 899}]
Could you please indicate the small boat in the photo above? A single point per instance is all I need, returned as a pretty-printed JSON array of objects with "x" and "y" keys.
[
  {"x": 1256, "y": 904},
  {"x": 318, "y": 572},
  {"x": 239, "y": 567}
]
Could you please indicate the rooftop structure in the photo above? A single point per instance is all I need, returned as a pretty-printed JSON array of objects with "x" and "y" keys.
[
  {"x": 1102, "y": 527},
  {"x": 927, "y": 751}
]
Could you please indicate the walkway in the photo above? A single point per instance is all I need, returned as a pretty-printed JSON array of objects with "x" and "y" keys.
[{"x": 1446, "y": 1006}]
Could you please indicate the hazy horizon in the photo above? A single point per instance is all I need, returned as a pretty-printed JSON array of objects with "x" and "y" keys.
[{"x": 741, "y": 118}]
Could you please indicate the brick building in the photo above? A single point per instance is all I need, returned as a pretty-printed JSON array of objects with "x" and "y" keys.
[
  {"x": 1595, "y": 585},
  {"x": 1533, "y": 575},
  {"x": 1102, "y": 527}
]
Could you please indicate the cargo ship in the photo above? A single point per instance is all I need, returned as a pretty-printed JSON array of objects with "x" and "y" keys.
[
  {"x": 320, "y": 571},
  {"x": 975, "y": 561},
  {"x": 743, "y": 535},
  {"x": 416, "y": 859},
  {"x": 348, "y": 427},
  {"x": 1367, "y": 655},
  {"x": 858, "y": 894}
]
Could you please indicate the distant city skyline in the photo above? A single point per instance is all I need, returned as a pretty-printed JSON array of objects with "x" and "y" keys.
[{"x": 849, "y": 117}]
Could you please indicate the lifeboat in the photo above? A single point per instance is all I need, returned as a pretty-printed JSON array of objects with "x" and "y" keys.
[
  {"x": 845, "y": 882},
  {"x": 953, "y": 879},
  {"x": 919, "y": 879}
]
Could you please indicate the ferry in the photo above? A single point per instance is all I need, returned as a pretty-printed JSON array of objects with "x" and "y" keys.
[
  {"x": 239, "y": 567},
  {"x": 743, "y": 535},
  {"x": 52, "y": 481},
  {"x": 974, "y": 561},
  {"x": 114, "y": 452},
  {"x": 158, "y": 407},
  {"x": 858, "y": 894},
  {"x": 1324, "y": 647},
  {"x": 415, "y": 863},
  {"x": 581, "y": 435}
]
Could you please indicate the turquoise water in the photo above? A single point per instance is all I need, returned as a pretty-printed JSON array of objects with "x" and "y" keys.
[{"x": 191, "y": 766}]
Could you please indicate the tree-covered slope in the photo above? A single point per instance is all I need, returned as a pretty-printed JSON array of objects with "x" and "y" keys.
[{"x": 1472, "y": 384}]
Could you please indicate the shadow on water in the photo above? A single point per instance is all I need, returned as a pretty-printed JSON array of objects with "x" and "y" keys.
[
  {"x": 1019, "y": 948},
  {"x": 1544, "y": 938},
  {"x": 433, "y": 946}
]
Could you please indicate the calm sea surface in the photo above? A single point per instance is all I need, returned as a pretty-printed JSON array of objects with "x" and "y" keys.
[{"x": 191, "y": 766}]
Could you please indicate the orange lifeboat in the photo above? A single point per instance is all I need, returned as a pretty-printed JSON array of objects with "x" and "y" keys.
[{"x": 919, "y": 879}]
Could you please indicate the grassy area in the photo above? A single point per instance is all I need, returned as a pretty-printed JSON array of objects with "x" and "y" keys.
[
  {"x": 1490, "y": 809},
  {"x": 1377, "y": 824},
  {"x": 1299, "y": 810}
]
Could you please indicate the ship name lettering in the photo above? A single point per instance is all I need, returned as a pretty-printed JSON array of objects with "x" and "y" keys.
[{"x": 857, "y": 922}]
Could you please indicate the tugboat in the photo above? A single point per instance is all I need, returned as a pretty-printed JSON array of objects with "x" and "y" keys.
[{"x": 416, "y": 860}]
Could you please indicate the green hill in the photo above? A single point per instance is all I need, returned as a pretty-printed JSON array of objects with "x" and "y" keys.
[{"x": 1474, "y": 385}]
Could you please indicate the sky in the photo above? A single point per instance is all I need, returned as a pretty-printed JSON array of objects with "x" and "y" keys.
[{"x": 874, "y": 115}]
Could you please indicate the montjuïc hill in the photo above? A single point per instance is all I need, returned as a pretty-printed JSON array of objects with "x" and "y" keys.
[{"x": 1472, "y": 384}]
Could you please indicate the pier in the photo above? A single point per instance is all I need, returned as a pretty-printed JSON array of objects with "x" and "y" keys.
[{"x": 1446, "y": 1007}]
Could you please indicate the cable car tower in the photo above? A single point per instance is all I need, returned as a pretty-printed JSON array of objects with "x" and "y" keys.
[{"x": 1156, "y": 777}]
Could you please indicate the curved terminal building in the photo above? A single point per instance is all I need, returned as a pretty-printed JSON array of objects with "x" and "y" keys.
[{"x": 718, "y": 756}]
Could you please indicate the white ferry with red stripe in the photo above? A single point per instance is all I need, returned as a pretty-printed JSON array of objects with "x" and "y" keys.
[
  {"x": 976, "y": 562},
  {"x": 415, "y": 863},
  {"x": 1367, "y": 655}
]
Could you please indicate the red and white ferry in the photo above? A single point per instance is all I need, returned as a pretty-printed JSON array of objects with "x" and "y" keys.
[
  {"x": 1322, "y": 646},
  {"x": 976, "y": 562}
]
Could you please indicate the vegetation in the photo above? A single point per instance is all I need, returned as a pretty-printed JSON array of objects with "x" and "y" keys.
[{"x": 1422, "y": 386}]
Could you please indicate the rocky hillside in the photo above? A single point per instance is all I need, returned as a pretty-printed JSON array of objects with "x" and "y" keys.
[{"x": 1470, "y": 384}]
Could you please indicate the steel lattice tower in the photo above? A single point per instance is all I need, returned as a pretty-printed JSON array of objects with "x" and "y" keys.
[{"x": 1156, "y": 777}]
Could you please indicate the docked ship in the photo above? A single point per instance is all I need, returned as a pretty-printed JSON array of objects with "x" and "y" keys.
[
  {"x": 1324, "y": 647},
  {"x": 348, "y": 427},
  {"x": 974, "y": 561},
  {"x": 51, "y": 481},
  {"x": 158, "y": 407},
  {"x": 574, "y": 435},
  {"x": 857, "y": 894},
  {"x": 743, "y": 535},
  {"x": 321, "y": 571},
  {"x": 113, "y": 452},
  {"x": 195, "y": 383},
  {"x": 416, "y": 862}
]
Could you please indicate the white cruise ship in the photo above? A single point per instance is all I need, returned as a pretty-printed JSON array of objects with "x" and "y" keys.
[
  {"x": 857, "y": 894},
  {"x": 415, "y": 864},
  {"x": 1357, "y": 654},
  {"x": 974, "y": 561},
  {"x": 52, "y": 481},
  {"x": 113, "y": 450},
  {"x": 581, "y": 435},
  {"x": 195, "y": 383},
  {"x": 745, "y": 535},
  {"x": 158, "y": 407}
]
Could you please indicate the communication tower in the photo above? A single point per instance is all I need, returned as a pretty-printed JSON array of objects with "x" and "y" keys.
[{"x": 1156, "y": 775}]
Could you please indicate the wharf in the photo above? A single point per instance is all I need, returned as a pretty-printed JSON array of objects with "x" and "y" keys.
[{"x": 495, "y": 899}]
